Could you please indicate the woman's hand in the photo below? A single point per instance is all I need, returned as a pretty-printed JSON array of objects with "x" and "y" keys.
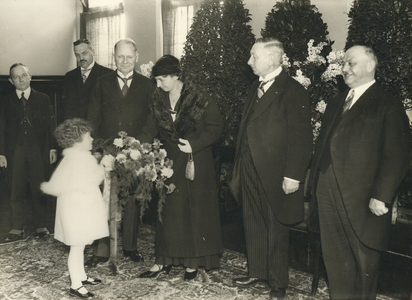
[{"x": 184, "y": 146}]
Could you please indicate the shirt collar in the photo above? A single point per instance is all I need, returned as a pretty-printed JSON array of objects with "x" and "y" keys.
[
  {"x": 362, "y": 89},
  {"x": 89, "y": 67},
  {"x": 122, "y": 76},
  {"x": 26, "y": 93},
  {"x": 271, "y": 75}
]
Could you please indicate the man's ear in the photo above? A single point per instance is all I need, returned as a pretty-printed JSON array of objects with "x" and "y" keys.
[
  {"x": 371, "y": 65},
  {"x": 11, "y": 81}
]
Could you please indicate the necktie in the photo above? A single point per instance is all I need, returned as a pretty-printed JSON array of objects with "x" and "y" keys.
[
  {"x": 261, "y": 89},
  {"x": 348, "y": 102},
  {"x": 125, "y": 87},
  {"x": 84, "y": 77},
  {"x": 23, "y": 99}
]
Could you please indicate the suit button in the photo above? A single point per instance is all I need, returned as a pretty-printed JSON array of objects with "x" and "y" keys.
[
  {"x": 120, "y": 123},
  {"x": 332, "y": 148},
  {"x": 130, "y": 123}
]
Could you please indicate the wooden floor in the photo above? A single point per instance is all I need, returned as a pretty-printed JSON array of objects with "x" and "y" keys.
[{"x": 396, "y": 271}]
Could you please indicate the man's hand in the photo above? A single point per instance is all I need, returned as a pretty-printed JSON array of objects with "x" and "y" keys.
[
  {"x": 3, "y": 161},
  {"x": 186, "y": 148},
  {"x": 290, "y": 186},
  {"x": 377, "y": 207},
  {"x": 53, "y": 156}
]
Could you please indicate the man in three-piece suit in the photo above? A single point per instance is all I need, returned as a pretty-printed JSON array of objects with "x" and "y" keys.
[
  {"x": 26, "y": 149},
  {"x": 273, "y": 150},
  {"x": 79, "y": 83},
  {"x": 361, "y": 158},
  {"x": 120, "y": 102}
]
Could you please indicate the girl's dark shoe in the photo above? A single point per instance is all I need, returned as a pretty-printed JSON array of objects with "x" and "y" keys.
[
  {"x": 190, "y": 275},
  {"x": 92, "y": 281},
  {"x": 154, "y": 274},
  {"x": 76, "y": 293}
]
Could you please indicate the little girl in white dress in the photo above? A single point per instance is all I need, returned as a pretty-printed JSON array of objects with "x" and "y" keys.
[{"x": 81, "y": 212}]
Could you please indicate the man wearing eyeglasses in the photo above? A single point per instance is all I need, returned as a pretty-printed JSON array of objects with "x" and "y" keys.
[
  {"x": 26, "y": 149},
  {"x": 79, "y": 83}
]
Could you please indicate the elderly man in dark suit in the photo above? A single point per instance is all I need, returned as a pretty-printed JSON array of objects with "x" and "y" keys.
[
  {"x": 361, "y": 157},
  {"x": 79, "y": 83},
  {"x": 272, "y": 155},
  {"x": 26, "y": 149},
  {"x": 120, "y": 103}
]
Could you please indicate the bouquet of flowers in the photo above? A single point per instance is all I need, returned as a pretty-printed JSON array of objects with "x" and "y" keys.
[{"x": 139, "y": 168}]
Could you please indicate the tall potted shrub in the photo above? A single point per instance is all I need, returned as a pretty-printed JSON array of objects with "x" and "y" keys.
[
  {"x": 215, "y": 58},
  {"x": 295, "y": 23}
]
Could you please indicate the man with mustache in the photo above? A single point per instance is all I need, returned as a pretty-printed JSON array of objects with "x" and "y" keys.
[
  {"x": 120, "y": 102},
  {"x": 361, "y": 157},
  {"x": 79, "y": 83}
]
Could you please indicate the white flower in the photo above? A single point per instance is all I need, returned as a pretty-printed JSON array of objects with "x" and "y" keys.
[
  {"x": 167, "y": 172},
  {"x": 118, "y": 142},
  {"x": 107, "y": 162},
  {"x": 302, "y": 79},
  {"x": 285, "y": 61},
  {"x": 140, "y": 171},
  {"x": 321, "y": 106},
  {"x": 121, "y": 158},
  {"x": 146, "y": 69},
  {"x": 135, "y": 154}
]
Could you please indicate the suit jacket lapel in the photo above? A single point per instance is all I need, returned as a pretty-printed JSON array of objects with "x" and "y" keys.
[
  {"x": 246, "y": 111},
  {"x": 114, "y": 87},
  {"x": 17, "y": 106},
  {"x": 91, "y": 78},
  {"x": 133, "y": 86},
  {"x": 364, "y": 101},
  {"x": 272, "y": 94}
]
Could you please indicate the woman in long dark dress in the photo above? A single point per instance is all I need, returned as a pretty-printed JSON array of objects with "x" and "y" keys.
[{"x": 188, "y": 121}]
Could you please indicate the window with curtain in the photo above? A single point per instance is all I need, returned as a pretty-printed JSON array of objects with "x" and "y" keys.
[
  {"x": 102, "y": 22},
  {"x": 177, "y": 17}
]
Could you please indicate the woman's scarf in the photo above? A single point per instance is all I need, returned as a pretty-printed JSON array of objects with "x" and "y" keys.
[{"x": 190, "y": 108}]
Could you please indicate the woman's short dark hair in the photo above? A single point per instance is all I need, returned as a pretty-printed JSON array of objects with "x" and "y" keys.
[
  {"x": 71, "y": 132},
  {"x": 166, "y": 65}
]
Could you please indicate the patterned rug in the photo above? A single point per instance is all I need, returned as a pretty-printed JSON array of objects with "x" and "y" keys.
[{"x": 36, "y": 269}]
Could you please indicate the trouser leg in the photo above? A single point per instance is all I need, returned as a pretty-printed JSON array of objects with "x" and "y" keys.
[{"x": 131, "y": 220}]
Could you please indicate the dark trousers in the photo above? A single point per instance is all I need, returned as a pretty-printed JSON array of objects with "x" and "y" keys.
[
  {"x": 131, "y": 220},
  {"x": 352, "y": 268},
  {"x": 267, "y": 240},
  {"x": 27, "y": 163}
]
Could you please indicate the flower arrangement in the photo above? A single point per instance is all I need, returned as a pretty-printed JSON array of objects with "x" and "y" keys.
[
  {"x": 321, "y": 75},
  {"x": 139, "y": 168},
  {"x": 146, "y": 69}
]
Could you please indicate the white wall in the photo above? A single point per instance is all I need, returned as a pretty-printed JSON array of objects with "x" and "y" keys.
[
  {"x": 38, "y": 33},
  {"x": 334, "y": 13}
]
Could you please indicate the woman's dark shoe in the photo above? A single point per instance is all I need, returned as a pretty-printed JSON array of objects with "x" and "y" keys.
[
  {"x": 76, "y": 293},
  {"x": 92, "y": 281},
  {"x": 190, "y": 275},
  {"x": 154, "y": 274}
]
